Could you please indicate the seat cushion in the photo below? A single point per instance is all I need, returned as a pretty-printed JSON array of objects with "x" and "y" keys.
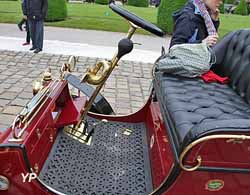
[{"x": 186, "y": 103}]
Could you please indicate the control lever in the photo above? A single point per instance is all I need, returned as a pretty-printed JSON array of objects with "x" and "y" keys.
[{"x": 125, "y": 46}]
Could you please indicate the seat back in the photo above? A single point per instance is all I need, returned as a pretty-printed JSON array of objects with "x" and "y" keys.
[{"x": 233, "y": 60}]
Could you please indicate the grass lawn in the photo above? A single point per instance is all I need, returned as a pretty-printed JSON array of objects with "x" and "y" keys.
[{"x": 100, "y": 17}]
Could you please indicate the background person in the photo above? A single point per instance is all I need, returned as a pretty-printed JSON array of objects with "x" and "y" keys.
[
  {"x": 35, "y": 11},
  {"x": 24, "y": 21},
  {"x": 192, "y": 25}
]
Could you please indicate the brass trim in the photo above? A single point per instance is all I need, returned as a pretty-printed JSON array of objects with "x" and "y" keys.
[
  {"x": 132, "y": 29},
  {"x": 68, "y": 67},
  {"x": 17, "y": 119},
  {"x": 234, "y": 141},
  {"x": 36, "y": 87},
  {"x": 71, "y": 63},
  {"x": 77, "y": 134},
  {"x": 108, "y": 68},
  {"x": 203, "y": 139},
  {"x": 47, "y": 76},
  {"x": 40, "y": 99},
  {"x": 26, "y": 117},
  {"x": 92, "y": 77}
]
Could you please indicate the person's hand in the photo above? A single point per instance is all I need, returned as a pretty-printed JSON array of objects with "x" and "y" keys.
[
  {"x": 211, "y": 40},
  {"x": 24, "y": 17},
  {"x": 215, "y": 14}
]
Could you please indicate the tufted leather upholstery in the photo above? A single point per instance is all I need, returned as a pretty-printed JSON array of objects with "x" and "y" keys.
[
  {"x": 233, "y": 60},
  {"x": 191, "y": 107}
]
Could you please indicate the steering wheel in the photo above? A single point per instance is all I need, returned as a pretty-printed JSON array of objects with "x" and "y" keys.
[{"x": 136, "y": 20}]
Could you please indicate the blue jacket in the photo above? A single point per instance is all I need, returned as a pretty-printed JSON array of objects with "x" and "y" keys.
[
  {"x": 189, "y": 25},
  {"x": 35, "y": 9},
  {"x": 24, "y": 7}
]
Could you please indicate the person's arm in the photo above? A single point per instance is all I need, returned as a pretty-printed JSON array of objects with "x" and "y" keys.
[
  {"x": 44, "y": 8},
  {"x": 183, "y": 30},
  {"x": 24, "y": 7}
]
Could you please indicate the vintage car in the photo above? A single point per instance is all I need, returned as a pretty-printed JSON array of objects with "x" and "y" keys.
[{"x": 190, "y": 138}]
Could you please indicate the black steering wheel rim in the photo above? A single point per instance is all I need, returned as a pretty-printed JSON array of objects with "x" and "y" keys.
[{"x": 136, "y": 19}]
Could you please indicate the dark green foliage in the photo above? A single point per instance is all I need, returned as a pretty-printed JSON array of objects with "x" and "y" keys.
[
  {"x": 165, "y": 11},
  {"x": 230, "y": 1},
  {"x": 104, "y": 2},
  {"x": 138, "y": 3},
  {"x": 241, "y": 9},
  {"x": 57, "y": 10},
  {"x": 222, "y": 8}
]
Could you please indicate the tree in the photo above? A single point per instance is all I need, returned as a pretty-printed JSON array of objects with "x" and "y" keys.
[
  {"x": 104, "y": 2},
  {"x": 165, "y": 11},
  {"x": 248, "y": 6},
  {"x": 230, "y": 1},
  {"x": 57, "y": 10},
  {"x": 222, "y": 8},
  {"x": 138, "y": 3},
  {"x": 241, "y": 9}
]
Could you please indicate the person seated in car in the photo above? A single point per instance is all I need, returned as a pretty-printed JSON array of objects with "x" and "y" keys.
[{"x": 197, "y": 22}]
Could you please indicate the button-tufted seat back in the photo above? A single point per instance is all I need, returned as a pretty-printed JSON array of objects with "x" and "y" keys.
[
  {"x": 233, "y": 60},
  {"x": 191, "y": 107}
]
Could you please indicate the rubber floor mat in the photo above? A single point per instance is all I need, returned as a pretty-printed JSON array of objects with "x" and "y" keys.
[{"x": 116, "y": 162}]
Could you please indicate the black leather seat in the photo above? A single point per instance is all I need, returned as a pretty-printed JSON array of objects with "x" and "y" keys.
[{"x": 192, "y": 108}]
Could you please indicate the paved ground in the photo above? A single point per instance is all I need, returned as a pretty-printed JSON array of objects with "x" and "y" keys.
[
  {"x": 91, "y": 37},
  {"x": 127, "y": 89},
  {"x": 88, "y": 43}
]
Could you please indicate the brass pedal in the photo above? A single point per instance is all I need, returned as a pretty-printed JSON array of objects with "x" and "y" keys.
[
  {"x": 78, "y": 135},
  {"x": 82, "y": 134}
]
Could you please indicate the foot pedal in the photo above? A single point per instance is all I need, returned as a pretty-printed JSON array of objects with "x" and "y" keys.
[
  {"x": 78, "y": 134},
  {"x": 82, "y": 134}
]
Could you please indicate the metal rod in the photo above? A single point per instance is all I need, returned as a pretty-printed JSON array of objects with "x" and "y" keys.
[
  {"x": 113, "y": 62},
  {"x": 196, "y": 142}
]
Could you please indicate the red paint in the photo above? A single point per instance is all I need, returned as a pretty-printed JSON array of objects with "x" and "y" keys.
[
  {"x": 60, "y": 109},
  {"x": 161, "y": 157},
  {"x": 38, "y": 139},
  {"x": 194, "y": 183},
  {"x": 136, "y": 117},
  {"x": 220, "y": 153},
  {"x": 12, "y": 166},
  {"x": 71, "y": 112}
]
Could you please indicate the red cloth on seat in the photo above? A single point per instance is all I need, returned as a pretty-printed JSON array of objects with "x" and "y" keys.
[{"x": 210, "y": 76}]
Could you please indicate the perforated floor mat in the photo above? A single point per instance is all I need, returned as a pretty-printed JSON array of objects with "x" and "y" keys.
[{"x": 114, "y": 163}]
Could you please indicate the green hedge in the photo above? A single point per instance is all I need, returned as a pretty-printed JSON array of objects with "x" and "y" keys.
[
  {"x": 222, "y": 8},
  {"x": 138, "y": 3},
  {"x": 104, "y": 2},
  {"x": 230, "y": 1},
  {"x": 241, "y": 9},
  {"x": 57, "y": 10},
  {"x": 165, "y": 11}
]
